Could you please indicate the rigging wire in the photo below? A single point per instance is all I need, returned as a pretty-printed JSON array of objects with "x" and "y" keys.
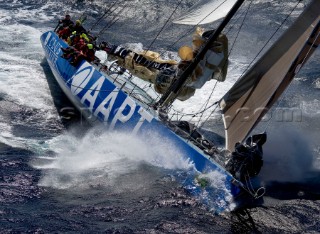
[
  {"x": 223, "y": 66},
  {"x": 240, "y": 15},
  {"x": 206, "y": 108},
  {"x": 115, "y": 90},
  {"x": 188, "y": 32},
  {"x": 193, "y": 114},
  {"x": 246, "y": 13},
  {"x": 107, "y": 26},
  {"x": 156, "y": 37},
  {"x": 105, "y": 13},
  {"x": 226, "y": 63},
  {"x": 192, "y": 29},
  {"x": 113, "y": 20},
  {"x": 280, "y": 26},
  {"x": 206, "y": 104},
  {"x": 283, "y": 22},
  {"x": 241, "y": 25},
  {"x": 286, "y": 91},
  {"x": 213, "y": 111}
]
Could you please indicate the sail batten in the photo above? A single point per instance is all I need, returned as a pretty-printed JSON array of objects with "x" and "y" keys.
[
  {"x": 206, "y": 11},
  {"x": 254, "y": 94}
]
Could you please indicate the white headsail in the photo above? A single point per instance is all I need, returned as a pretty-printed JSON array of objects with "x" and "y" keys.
[{"x": 206, "y": 11}]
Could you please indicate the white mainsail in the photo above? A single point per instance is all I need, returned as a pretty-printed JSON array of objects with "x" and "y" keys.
[
  {"x": 206, "y": 11},
  {"x": 254, "y": 94}
]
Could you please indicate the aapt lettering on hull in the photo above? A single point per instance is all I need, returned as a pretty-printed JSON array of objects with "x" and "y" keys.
[{"x": 105, "y": 102}]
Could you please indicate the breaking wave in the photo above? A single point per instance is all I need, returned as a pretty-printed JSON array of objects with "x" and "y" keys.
[{"x": 102, "y": 158}]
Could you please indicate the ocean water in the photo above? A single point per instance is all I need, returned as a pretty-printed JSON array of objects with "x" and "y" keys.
[{"x": 57, "y": 174}]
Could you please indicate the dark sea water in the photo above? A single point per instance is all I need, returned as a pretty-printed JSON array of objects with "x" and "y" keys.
[{"x": 57, "y": 175}]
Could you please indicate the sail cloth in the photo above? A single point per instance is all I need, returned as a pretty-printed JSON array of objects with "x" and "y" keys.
[
  {"x": 253, "y": 95},
  {"x": 213, "y": 65},
  {"x": 206, "y": 11},
  {"x": 145, "y": 65},
  {"x": 150, "y": 67}
]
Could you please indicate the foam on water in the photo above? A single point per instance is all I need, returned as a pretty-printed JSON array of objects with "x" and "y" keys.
[
  {"x": 221, "y": 197},
  {"x": 23, "y": 83},
  {"x": 5, "y": 134},
  {"x": 92, "y": 160},
  {"x": 311, "y": 108},
  {"x": 107, "y": 156},
  {"x": 21, "y": 75},
  {"x": 211, "y": 92},
  {"x": 7, "y": 138},
  {"x": 185, "y": 109},
  {"x": 103, "y": 159},
  {"x": 317, "y": 83}
]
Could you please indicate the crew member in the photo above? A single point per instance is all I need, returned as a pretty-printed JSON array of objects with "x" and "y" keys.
[
  {"x": 66, "y": 22},
  {"x": 79, "y": 28}
]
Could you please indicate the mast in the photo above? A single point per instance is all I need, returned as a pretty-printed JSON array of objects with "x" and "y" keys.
[{"x": 180, "y": 81}]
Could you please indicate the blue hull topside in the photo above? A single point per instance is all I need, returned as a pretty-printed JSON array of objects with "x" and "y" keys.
[{"x": 95, "y": 94}]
